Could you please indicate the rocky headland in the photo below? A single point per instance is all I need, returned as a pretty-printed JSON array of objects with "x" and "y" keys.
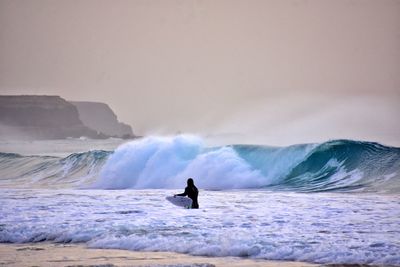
[
  {"x": 100, "y": 117},
  {"x": 34, "y": 117}
]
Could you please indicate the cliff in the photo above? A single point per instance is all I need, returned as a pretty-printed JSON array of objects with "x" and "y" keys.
[
  {"x": 100, "y": 117},
  {"x": 41, "y": 117}
]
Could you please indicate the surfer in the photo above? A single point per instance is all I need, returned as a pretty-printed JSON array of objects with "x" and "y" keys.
[{"x": 192, "y": 192}]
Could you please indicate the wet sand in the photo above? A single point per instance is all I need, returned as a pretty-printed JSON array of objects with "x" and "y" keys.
[{"x": 49, "y": 254}]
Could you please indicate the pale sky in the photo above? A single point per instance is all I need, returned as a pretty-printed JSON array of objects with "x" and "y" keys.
[{"x": 273, "y": 72}]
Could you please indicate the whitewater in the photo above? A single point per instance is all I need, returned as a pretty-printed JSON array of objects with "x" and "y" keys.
[{"x": 333, "y": 202}]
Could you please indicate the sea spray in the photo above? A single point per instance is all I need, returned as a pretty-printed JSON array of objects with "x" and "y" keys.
[
  {"x": 273, "y": 221},
  {"x": 166, "y": 162},
  {"x": 161, "y": 162},
  {"x": 339, "y": 165}
]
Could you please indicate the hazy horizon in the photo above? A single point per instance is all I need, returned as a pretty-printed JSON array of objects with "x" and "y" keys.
[{"x": 271, "y": 72}]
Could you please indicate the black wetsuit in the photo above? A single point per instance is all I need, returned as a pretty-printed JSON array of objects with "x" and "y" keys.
[{"x": 192, "y": 193}]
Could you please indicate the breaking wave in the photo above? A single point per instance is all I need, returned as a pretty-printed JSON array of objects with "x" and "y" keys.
[{"x": 166, "y": 162}]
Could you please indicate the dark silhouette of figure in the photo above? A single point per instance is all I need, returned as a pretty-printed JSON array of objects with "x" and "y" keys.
[{"x": 192, "y": 192}]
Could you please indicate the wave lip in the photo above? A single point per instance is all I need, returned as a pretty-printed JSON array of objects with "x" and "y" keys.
[
  {"x": 339, "y": 165},
  {"x": 166, "y": 162},
  {"x": 346, "y": 165}
]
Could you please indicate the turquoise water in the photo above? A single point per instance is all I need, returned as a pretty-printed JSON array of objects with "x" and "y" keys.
[
  {"x": 340, "y": 165},
  {"x": 334, "y": 202}
]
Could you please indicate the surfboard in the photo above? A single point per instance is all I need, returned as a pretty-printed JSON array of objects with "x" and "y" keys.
[{"x": 180, "y": 201}]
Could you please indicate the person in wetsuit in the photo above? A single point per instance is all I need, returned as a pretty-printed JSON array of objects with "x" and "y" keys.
[{"x": 192, "y": 192}]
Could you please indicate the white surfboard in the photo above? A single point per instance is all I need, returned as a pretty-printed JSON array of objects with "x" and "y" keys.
[{"x": 180, "y": 201}]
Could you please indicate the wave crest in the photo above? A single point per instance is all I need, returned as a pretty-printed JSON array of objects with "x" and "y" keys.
[
  {"x": 19, "y": 171},
  {"x": 166, "y": 162}
]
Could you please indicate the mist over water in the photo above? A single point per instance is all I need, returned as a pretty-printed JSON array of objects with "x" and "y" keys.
[
  {"x": 290, "y": 119},
  {"x": 262, "y": 85}
]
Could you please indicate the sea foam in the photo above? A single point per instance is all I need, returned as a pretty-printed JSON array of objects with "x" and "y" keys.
[
  {"x": 321, "y": 228},
  {"x": 162, "y": 162},
  {"x": 167, "y": 162}
]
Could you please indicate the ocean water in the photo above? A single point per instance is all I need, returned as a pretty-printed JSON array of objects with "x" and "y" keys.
[{"x": 334, "y": 202}]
